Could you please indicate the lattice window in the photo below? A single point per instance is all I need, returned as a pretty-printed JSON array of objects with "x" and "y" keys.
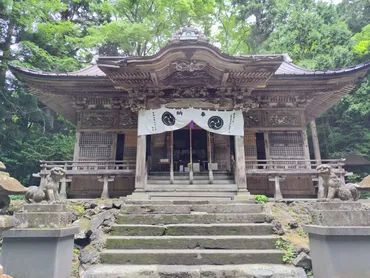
[
  {"x": 96, "y": 146},
  {"x": 250, "y": 145},
  {"x": 286, "y": 146},
  {"x": 95, "y": 138}
]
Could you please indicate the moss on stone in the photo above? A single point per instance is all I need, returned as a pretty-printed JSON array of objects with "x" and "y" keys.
[{"x": 285, "y": 214}]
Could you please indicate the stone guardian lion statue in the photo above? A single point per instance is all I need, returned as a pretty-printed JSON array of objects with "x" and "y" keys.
[
  {"x": 48, "y": 189},
  {"x": 334, "y": 187}
]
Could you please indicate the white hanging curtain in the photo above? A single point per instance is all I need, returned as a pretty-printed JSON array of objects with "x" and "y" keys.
[{"x": 161, "y": 120}]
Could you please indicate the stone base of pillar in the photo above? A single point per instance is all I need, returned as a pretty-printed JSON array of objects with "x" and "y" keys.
[
  {"x": 138, "y": 194},
  {"x": 243, "y": 195}
]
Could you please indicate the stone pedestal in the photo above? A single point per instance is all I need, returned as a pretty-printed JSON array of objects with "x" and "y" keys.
[
  {"x": 138, "y": 194},
  {"x": 42, "y": 245},
  {"x": 242, "y": 195},
  {"x": 340, "y": 240}
]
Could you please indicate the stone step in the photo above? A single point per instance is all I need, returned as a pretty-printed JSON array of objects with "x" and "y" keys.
[
  {"x": 186, "y": 182},
  {"x": 191, "y": 242},
  {"x": 195, "y": 195},
  {"x": 207, "y": 218},
  {"x": 191, "y": 229},
  {"x": 196, "y": 177},
  {"x": 205, "y": 186},
  {"x": 179, "y": 196},
  {"x": 184, "y": 202},
  {"x": 186, "y": 209},
  {"x": 194, "y": 271},
  {"x": 191, "y": 257}
]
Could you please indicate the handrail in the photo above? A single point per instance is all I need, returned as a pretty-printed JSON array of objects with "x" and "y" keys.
[
  {"x": 297, "y": 165},
  {"x": 93, "y": 167}
]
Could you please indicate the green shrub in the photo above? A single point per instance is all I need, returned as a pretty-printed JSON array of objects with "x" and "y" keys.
[
  {"x": 365, "y": 195},
  {"x": 16, "y": 197},
  {"x": 261, "y": 199},
  {"x": 287, "y": 248}
]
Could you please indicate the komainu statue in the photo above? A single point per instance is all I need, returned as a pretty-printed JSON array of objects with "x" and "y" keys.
[
  {"x": 48, "y": 189},
  {"x": 345, "y": 192}
]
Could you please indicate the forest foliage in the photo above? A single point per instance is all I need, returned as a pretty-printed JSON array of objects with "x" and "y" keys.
[{"x": 66, "y": 35}]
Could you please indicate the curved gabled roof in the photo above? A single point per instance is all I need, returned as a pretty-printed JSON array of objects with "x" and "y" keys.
[
  {"x": 288, "y": 68},
  {"x": 93, "y": 71}
]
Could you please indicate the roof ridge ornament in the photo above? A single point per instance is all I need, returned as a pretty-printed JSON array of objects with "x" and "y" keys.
[{"x": 188, "y": 33}]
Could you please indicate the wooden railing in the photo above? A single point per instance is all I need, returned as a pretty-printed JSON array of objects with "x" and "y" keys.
[
  {"x": 96, "y": 167},
  {"x": 291, "y": 166}
]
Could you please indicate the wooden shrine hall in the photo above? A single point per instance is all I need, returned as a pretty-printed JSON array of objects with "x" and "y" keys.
[{"x": 255, "y": 140}]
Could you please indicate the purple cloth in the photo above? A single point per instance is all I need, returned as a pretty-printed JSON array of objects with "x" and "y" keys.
[{"x": 191, "y": 125}]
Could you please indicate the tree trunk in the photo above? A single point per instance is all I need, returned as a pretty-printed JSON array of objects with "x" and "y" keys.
[{"x": 6, "y": 54}]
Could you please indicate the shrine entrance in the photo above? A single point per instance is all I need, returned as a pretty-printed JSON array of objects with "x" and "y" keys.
[
  {"x": 190, "y": 153},
  {"x": 182, "y": 149}
]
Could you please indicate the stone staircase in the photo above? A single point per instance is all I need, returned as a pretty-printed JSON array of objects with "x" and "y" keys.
[
  {"x": 186, "y": 238},
  {"x": 223, "y": 187}
]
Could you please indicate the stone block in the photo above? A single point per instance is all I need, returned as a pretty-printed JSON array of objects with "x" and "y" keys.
[
  {"x": 37, "y": 253},
  {"x": 340, "y": 252},
  {"x": 44, "y": 208},
  {"x": 337, "y": 206},
  {"x": 43, "y": 219},
  {"x": 341, "y": 218}
]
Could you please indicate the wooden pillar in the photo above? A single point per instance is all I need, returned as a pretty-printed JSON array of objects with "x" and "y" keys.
[
  {"x": 306, "y": 150},
  {"x": 240, "y": 171},
  {"x": 171, "y": 158},
  {"x": 76, "y": 152},
  {"x": 209, "y": 145},
  {"x": 140, "y": 175},
  {"x": 315, "y": 141},
  {"x": 267, "y": 145},
  {"x": 191, "y": 174}
]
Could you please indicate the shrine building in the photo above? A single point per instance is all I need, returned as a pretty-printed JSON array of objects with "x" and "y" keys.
[{"x": 191, "y": 122}]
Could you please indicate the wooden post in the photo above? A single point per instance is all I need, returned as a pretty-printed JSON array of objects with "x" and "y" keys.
[
  {"x": 171, "y": 158},
  {"x": 240, "y": 171},
  {"x": 306, "y": 150},
  {"x": 76, "y": 153},
  {"x": 210, "y": 170},
  {"x": 315, "y": 141},
  {"x": 105, "y": 179},
  {"x": 267, "y": 146},
  {"x": 140, "y": 175},
  {"x": 278, "y": 196},
  {"x": 191, "y": 175},
  {"x": 63, "y": 187}
]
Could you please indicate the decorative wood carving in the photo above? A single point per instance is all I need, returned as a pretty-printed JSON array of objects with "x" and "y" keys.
[
  {"x": 190, "y": 66},
  {"x": 127, "y": 119},
  {"x": 218, "y": 98},
  {"x": 188, "y": 33},
  {"x": 283, "y": 118},
  {"x": 244, "y": 103},
  {"x": 190, "y": 77},
  {"x": 253, "y": 118},
  {"x": 94, "y": 119},
  {"x": 136, "y": 100},
  {"x": 82, "y": 103}
]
